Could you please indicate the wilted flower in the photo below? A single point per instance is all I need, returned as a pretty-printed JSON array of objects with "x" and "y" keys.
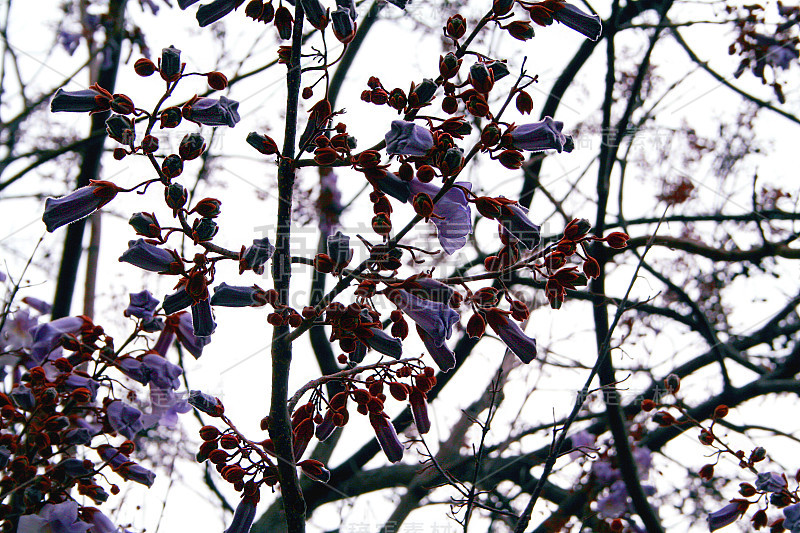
[
  {"x": 543, "y": 135},
  {"x": 572, "y": 17},
  {"x": 452, "y": 214},
  {"x": 146, "y": 256},
  {"x": 407, "y": 138},
  {"x": 78, "y": 204},
  {"x": 213, "y": 112}
]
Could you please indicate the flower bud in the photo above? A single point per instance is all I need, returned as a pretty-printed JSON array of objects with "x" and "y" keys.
[
  {"x": 511, "y": 159},
  {"x": 122, "y": 104},
  {"x": 721, "y": 411},
  {"x": 176, "y": 196},
  {"x": 170, "y": 64},
  {"x": 449, "y": 65},
  {"x": 170, "y": 117},
  {"x": 284, "y": 21},
  {"x": 263, "y": 143},
  {"x": 217, "y": 80},
  {"x": 146, "y": 225},
  {"x": 207, "y": 207},
  {"x": 524, "y": 102},
  {"x": 149, "y": 144},
  {"x": 120, "y": 129},
  {"x": 192, "y": 145},
  {"x": 144, "y": 67},
  {"x": 617, "y": 240},
  {"x": 520, "y": 30},
  {"x": 456, "y": 27},
  {"x": 172, "y": 166}
]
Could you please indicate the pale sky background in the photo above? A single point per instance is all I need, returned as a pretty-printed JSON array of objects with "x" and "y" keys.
[{"x": 235, "y": 366}]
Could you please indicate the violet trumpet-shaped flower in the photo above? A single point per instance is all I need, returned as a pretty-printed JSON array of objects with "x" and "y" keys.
[
  {"x": 540, "y": 136},
  {"x": 213, "y": 112},
  {"x": 42, "y": 307},
  {"x": 173, "y": 303},
  {"x": 524, "y": 347},
  {"x": 76, "y": 437},
  {"x": 205, "y": 403},
  {"x": 142, "y": 305},
  {"x": 243, "y": 517},
  {"x": 210, "y": 13},
  {"x": 407, "y": 138},
  {"x": 234, "y": 296},
  {"x": 344, "y": 27},
  {"x": 125, "y": 419},
  {"x": 770, "y": 482},
  {"x": 387, "y": 437},
  {"x": 443, "y": 356},
  {"x": 315, "y": 13},
  {"x": 725, "y": 516},
  {"x": 452, "y": 214},
  {"x": 83, "y": 101},
  {"x": 60, "y": 518},
  {"x": 100, "y": 523},
  {"x": 384, "y": 343},
  {"x": 202, "y": 320},
  {"x": 78, "y": 204},
  {"x": 255, "y": 256},
  {"x": 185, "y": 331},
  {"x": 16, "y": 332},
  {"x": 419, "y": 410},
  {"x": 431, "y": 289},
  {"x": 394, "y": 187},
  {"x": 74, "y": 381},
  {"x": 434, "y": 318},
  {"x": 587, "y": 25},
  {"x": 148, "y": 257},
  {"x": 137, "y": 473},
  {"x": 165, "y": 406},
  {"x": 514, "y": 219},
  {"x": 45, "y": 337},
  {"x": 791, "y": 522},
  {"x": 162, "y": 373}
]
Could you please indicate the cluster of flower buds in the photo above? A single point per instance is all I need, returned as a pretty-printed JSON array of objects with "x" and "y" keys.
[{"x": 504, "y": 323}]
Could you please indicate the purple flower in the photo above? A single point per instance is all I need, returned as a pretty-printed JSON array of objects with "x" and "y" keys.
[
  {"x": 256, "y": 256},
  {"x": 205, "y": 403},
  {"x": 162, "y": 373},
  {"x": 61, "y": 518},
  {"x": 112, "y": 456},
  {"x": 142, "y": 305},
  {"x": 125, "y": 419},
  {"x": 147, "y": 256},
  {"x": 41, "y": 306},
  {"x": 615, "y": 503},
  {"x": 343, "y": 25},
  {"x": 384, "y": 343},
  {"x": 434, "y": 290},
  {"x": 770, "y": 482},
  {"x": 394, "y": 187},
  {"x": 17, "y": 330},
  {"x": 540, "y": 136},
  {"x": 203, "y": 324},
  {"x": 77, "y": 436},
  {"x": 45, "y": 337},
  {"x": 69, "y": 40},
  {"x": 510, "y": 333},
  {"x": 792, "y": 520},
  {"x": 78, "y": 204},
  {"x": 165, "y": 406},
  {"x": 419, "y": 410},
  {"x": 407, "y": 138},
  {"x": 315, "y": 13},
  {"x": 387, "y": 437},
  {"x": 77, "y": 101},
  {"x": 452, "y": 215},
  {"x": 443, "y": 356},
  {"x": 514, "y": 219},
  {"x": 213, "y": 112},
  {"x": 193, "y": 343},
  {"x": 580, "y": 441},
  {"x": 725, "y": 516},
  {"x": 781, "y": 55},
  {"x": 134, "y": 369},
  {"x": 74, "y": 381},
  {"x": 233, "y": 296},
  {"x": 210, "y": 13},
  {"x": 23, "y": 398},
  {"x": 137, "y": 473},
  {"x": 604, "y": 472},
  {"x": 100, "y": 523},
  {"x": 573, "y": 18},
  {"x": 177, "y": 301},
  {"x": 243, "y": 517},
  {"x": 434, "y": 318},
  {"x": 72, "y": 467}
]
